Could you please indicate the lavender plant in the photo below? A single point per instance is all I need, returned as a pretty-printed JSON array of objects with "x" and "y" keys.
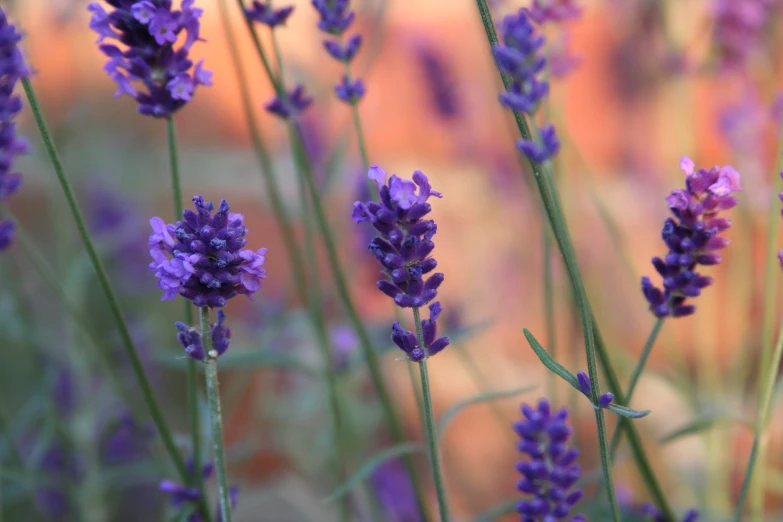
[
  {"x": 403, "y": 248},
  {"x": 202, "y": 259},
  {"x": 12, "y": 69}
]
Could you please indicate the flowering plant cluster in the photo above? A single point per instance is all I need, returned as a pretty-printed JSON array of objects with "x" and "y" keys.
[
  {"x": 692, "y": 237},
  {"x": 151, "y": 58}
]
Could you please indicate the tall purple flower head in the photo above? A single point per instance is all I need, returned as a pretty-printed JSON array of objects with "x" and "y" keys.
[
  {"x": 739, "y": 29},
  {"x": 403, "y": 247},
  {"x": 12, "y": 69},
  {"x": 201, "y": 257},
  {"x": 335, "y": 18},
  {"x": 550, "y": 471},
  {"x": 153, "y": 65},
  {"x": 520, "y": 59},
  {"x": 692, "y": 237}
]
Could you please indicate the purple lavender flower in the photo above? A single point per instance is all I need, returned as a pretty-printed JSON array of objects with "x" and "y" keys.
[
  {"x": 149, "y": 31},
  {"x": 651, "y": 511},
  {"x": 12, "y": 69},
  {"x": 265, "y": 14},
  {"x": 519, "y": 57},
  {"x": 336, "y": 17},
  {"x": 586, "y": 387},
  {"x": 403, "y": 249},
  {"x": 692, "y": 237},
  {"x": 201, "y": 257},
  {"x": 180, "y": 495},
  {"x": 543, "y": 11},
  {"x": 190, "y": 338},
  {"x": 344, "y": 342},
  {"x": 551, "y": 471},
  {"x": 289, "y": 105},
  {"x": 349, "y": 91},
  {"x": 738, "y": 29}
]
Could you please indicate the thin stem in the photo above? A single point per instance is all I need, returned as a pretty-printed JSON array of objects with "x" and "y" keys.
[
  {"x": 765, "y": 408},
  {"x": 542, "y": 175},
  {"x": 216, "y": 420},
  {"x": 429, "y": 417},
  {"x": 549, "y": 309},
  {"x": 768, "y": 323},
  {"x": 637, "y": 371},
  {"x": 197, "y": 478},
  {"x": 357, "y": 124},
  {"x": 103, "y": 281}
]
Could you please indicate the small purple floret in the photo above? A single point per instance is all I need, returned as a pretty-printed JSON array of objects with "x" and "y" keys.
[
  {"x": 691, "y": 236},
  {"x": 294, "y": 103},
  {"x": 264, "y": 14},
  {"x": 201, "y": 257},
  {"x": 190, "y": 338}
]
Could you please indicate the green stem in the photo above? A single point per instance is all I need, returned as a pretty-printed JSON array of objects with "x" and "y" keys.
[
  {"x": 549, "y": 309},
  {"x": 767, "y": 326},
  {"x": 542, "y": 175},
  {"x": 192, "y": 388},
  {"x": 765, "y": 408},
  {"x": 429, "y": 417},
  {"x": 103, "y": 281},
  {"x": 216, "y": 420},
  {"x": 637, "y": 371},
  {"x": 634, "y": 440}
]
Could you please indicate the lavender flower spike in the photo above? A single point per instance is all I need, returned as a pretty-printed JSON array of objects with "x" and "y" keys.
[
  {"x": 12, "y": 68},
  {"x": 403, "y": 247},
  {"x": 289, "y": 105},
  {"x": 151, "y": 67},
  {"x": 190, "y": 339},
  {"x": 542, "y": 11},
  {"x": 520, "y": 59},
  {"x": 201, "y": 257},
  {"x": 692, "y": 237},
  {"x": 180, "y": 495},
  {"x": 551, "y": 471},
  {"x": 335, "y": 18}
]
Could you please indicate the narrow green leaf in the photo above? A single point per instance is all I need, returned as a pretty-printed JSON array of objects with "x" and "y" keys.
[
  {"x": 498, "y": 510},
  {"x": 700, "y": 424},
  {"x": 479, "y": 398},
  {"x": 366, "y": 469},
  {"x": 184, "y": 514},
  {"x": 550, "y": 363},
  {"x": 625, "y": 411}
]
